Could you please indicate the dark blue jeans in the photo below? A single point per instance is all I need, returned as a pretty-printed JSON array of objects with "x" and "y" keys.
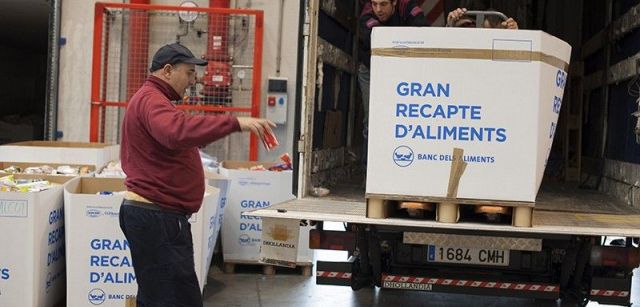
[{"x": 162, "y": 256}]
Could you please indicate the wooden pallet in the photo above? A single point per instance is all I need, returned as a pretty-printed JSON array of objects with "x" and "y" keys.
[
  {"x": 232, "y": 267},
  {"x": 450, "y": 210}
]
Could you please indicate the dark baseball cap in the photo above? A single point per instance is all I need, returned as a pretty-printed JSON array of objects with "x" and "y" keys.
[{"x": 172, "y": 54}]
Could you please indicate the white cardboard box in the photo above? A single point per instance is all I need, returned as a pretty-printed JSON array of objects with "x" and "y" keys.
[
  {"x": 249, "y": 190},
  {"x": 222, "y": 183},
  {"x": 32, "y": 261},
  {"x": 96, "y": 154},
  {"x": 98, "y": 258},
  {"x": 494, "y": 93}
]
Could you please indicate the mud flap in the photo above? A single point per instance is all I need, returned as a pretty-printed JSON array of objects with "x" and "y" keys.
[
  {"x": 334, "y": 273},
  {"x": 615, "y": 291}
]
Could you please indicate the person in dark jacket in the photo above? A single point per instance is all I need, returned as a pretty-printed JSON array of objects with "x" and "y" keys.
[
  {"x": 165, "y": 178},
  {"x": 381, "y": 13}
]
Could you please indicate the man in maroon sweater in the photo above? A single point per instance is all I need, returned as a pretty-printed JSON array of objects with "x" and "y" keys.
[{"x": 165, "y": 178}]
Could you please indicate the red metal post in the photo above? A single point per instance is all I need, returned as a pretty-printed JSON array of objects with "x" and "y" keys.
[
  {"x": 95, "y": 72},
  {"x": 105, "y": 72},
  {"x": 257, "y": 78}
]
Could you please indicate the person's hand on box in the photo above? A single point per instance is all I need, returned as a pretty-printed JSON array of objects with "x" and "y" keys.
[
  {"x": 455, "y": 15},
  {"x": 510, "y": 24}
]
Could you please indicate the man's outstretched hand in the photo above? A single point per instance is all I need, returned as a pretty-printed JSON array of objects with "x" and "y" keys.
[{"x": 259, "y": 126}]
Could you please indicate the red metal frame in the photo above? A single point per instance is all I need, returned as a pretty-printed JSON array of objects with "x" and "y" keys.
[
  {"x": 99, "y": 103},
  {"x": 95, "y": 72}
]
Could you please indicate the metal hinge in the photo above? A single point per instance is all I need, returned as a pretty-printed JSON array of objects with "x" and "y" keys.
[{"x": 301, "y": 144}]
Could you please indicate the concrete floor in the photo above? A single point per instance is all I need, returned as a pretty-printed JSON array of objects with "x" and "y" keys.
[
  {"x": 248, "y": 290},
  {"x": 254, "y": 289}
]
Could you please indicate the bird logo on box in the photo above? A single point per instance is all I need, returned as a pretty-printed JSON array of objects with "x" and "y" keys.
[
  {"x": 403, "y": 156},
  {"x": 96, "y": 296},
  {"x": 244, "y": 239}
]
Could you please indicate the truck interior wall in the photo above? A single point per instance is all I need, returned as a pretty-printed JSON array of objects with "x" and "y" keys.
[
  {"x": 622, "y": 6},
  {"x": 334, "y": 107},
  {"x": 620, "y": 180},
  {"x": 592, "y": 123},
  {"x": 615, "y": 171},
  {"x": 621, "y": 139},
  {"x": 562, "y": 19},
  {"x": 334, "y": 110},
  {"x": 594, "y": 17},
  {"x": 621, "y": 170},
  {"x": 333, "y": 32}
]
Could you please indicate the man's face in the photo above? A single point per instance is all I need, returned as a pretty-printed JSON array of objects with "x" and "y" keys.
[
  {"x": 383, "y": 9},
  {"x": 181, "y": 76}
]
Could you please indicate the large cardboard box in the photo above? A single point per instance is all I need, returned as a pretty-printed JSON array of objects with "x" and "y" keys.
[
  {"x": 249, "y": 190},
  {"x": 32, "y": 257},
  {"x": 99, "y": 267},
  {"x": 493, "y": 93},
  {"x": 96, "y": 154}
]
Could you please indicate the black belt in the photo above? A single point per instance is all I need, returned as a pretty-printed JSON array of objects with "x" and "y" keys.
[{"x": 152, "y": 206}]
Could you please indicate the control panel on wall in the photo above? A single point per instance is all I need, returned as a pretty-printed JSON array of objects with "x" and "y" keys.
[{"x": 277, "y": 100}]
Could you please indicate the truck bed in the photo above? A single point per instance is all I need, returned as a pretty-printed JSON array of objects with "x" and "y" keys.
[{"x": 561, "y": 209}]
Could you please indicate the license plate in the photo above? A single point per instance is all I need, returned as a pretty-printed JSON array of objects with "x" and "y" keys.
[{"x": 462, "y": 255}]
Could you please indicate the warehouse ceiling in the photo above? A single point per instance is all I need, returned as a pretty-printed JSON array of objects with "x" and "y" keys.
[{"x": 24, "y": 24}]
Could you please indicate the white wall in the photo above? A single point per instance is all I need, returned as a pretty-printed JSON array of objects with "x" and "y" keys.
[
  {"x": 74, "y": 96},
  {"x": 76, "y": 55},
  {"x": 288, "y": 65}
]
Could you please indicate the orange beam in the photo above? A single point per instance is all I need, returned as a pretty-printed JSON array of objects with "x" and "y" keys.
[
  {"x": 257, "y": 79},
  {"x": 95, "y": 72}
]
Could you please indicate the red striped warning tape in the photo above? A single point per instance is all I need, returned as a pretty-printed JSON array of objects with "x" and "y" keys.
[
  {"x": 328, "y": 274},
  {"x": 610, "y": 293},
  {"x": 473, "y": 283}
]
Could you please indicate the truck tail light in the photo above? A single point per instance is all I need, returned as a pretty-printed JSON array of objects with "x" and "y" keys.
[
  {"x": 610, "y": 256},
  {"x": 333, "y": 240}
]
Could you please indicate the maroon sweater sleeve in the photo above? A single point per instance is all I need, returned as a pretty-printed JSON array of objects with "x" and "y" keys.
[{"x": 176, "y": 130}]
